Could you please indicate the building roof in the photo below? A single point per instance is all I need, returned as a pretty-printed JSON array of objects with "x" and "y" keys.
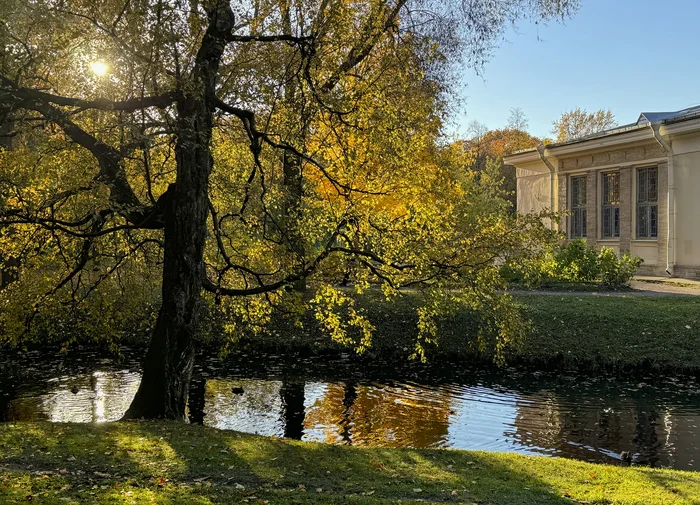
[
  {"x": 643, "y": 121},
  {"x": 653, "y": 117}
]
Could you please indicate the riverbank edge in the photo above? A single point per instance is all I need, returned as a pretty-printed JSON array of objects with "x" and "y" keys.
[
  {"x": 576, "y": 332},
  {"x": 572, "y": 331},
  {"x": 167, "y": 462}
]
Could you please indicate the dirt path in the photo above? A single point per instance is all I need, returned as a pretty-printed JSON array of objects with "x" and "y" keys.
[{"x": 639, "y": 288}]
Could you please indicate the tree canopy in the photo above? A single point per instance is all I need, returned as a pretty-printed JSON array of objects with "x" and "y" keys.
[
  {"x": 578, "y": 123},
  {"x": 156, "y": 150},
  {"x": 486, "y": 148}
]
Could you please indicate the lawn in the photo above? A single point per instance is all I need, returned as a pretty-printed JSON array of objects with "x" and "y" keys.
[
  {"x": 163, "y": 462},
  {"x": 613, "y": 332}
]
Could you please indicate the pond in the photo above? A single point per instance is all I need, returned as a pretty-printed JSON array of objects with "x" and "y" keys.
[{"x": 592, "y": 417}]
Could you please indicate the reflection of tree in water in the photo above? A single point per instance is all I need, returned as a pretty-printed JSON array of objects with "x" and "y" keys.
[
  {"x": 583, "y": 428},
  {"x": 646, "y": 439},
  {"x": 349, "y": 398},
  {"x": 386, "y": 416},
  {"x": 324, "y": 417},
  {"x": 8, "y": 392},
  {"x": 195, "y": 400},
  {"x": 292, "y": 393}
]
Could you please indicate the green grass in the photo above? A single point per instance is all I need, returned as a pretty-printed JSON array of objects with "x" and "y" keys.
[
  {"x": 612, "y": 332},
  {"x": 169, "y": 463}
]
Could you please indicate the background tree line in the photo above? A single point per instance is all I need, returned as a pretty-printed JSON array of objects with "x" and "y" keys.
[{"x": 486, "y": 148}]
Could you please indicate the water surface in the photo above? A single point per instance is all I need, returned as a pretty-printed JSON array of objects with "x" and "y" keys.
[{"x": 588, "y": 417}]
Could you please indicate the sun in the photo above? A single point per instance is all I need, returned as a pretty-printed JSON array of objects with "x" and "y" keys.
[{"x": 99, "y": 67}]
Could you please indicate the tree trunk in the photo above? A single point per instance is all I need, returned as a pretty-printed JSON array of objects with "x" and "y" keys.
[
  {"x": 8, "y": 266},
  {"x": 167, "y": 369},
  {"x": 168, "y": 366},
  {"x": 292, "y": 167},
  {"x": 292, "y": 212}
]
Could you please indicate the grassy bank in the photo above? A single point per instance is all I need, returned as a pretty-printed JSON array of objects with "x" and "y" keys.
[
  {"x": 583, "y": 331},
  {"x": 613, "y": 332},
  {"x": 134, "y": 463}
]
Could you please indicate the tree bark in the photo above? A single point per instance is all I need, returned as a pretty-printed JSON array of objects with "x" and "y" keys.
[
  {"x": 168, "y": 365},
  {"x": 292, "y": 212},
  {"x": 167, "y": 368},
  {"x": 8, "y": 266},
  {"x": 292, "y": 166}
]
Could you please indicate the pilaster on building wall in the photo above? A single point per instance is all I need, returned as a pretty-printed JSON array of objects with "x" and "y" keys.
[
  {"x": 626, "y": 202},
  {"x": 663, "y": 218},
  {"x": 592, "y": 209},
  {"x": 563, "y": 204}
]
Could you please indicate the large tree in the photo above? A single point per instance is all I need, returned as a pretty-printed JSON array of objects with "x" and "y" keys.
[
  {"x": 240, "y": 149},
  {"x": 577, "y": 123}
]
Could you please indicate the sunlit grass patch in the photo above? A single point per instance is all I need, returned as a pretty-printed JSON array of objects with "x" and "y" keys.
[{"x": 171, "y": 463}]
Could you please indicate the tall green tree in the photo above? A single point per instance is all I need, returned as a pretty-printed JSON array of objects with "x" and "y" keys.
[
  {"x": 486, "y": 149},
  {"x": 234, "y": 149}
]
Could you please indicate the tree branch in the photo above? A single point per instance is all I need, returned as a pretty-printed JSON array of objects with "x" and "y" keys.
[
  {"x": 256, "y": 136},
  {"x": 123, "y": 198},
  {"x": 270, "y": 38},
  {"x": 372, "y": 32},
  {"x": 128, "y": 105}
]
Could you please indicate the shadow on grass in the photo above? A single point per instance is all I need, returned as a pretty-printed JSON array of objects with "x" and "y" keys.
[{"x": 177, "y": 463}]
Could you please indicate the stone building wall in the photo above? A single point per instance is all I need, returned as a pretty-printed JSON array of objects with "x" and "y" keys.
[{"x": 627, "y": 160}]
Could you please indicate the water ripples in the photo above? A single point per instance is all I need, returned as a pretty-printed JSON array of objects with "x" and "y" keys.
[{"x": 588, "y": 417}]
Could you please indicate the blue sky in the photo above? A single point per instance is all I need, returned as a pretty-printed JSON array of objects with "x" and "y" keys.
[{"x": 625, "y": 55}]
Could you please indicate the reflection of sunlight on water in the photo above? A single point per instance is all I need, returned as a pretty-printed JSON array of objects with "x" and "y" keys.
[
  {"x": 255, "y": 411},
  {"x": 98, "y": 397},
  {"x": 314, "y": 392},
  {"x": 491, "y": 420}
]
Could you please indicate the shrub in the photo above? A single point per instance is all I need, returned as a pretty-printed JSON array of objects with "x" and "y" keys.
[
  {"x": 617, "y": 272},
  {"x": 575, "y": 262}
]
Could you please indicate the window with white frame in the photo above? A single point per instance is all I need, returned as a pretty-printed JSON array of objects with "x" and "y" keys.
[
  {"x": 578, "y": 207},
  {"x": 647, "y": 202},
  {"x": 610, "y": 226}
]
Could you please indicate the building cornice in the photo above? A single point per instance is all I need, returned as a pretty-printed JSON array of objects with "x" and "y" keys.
[
  {"x": 628, "y": 137},
  {"x": 522, "y": 157},
  {"x": 680, "y": 128},
  {"x": 640, "y": 134}
]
